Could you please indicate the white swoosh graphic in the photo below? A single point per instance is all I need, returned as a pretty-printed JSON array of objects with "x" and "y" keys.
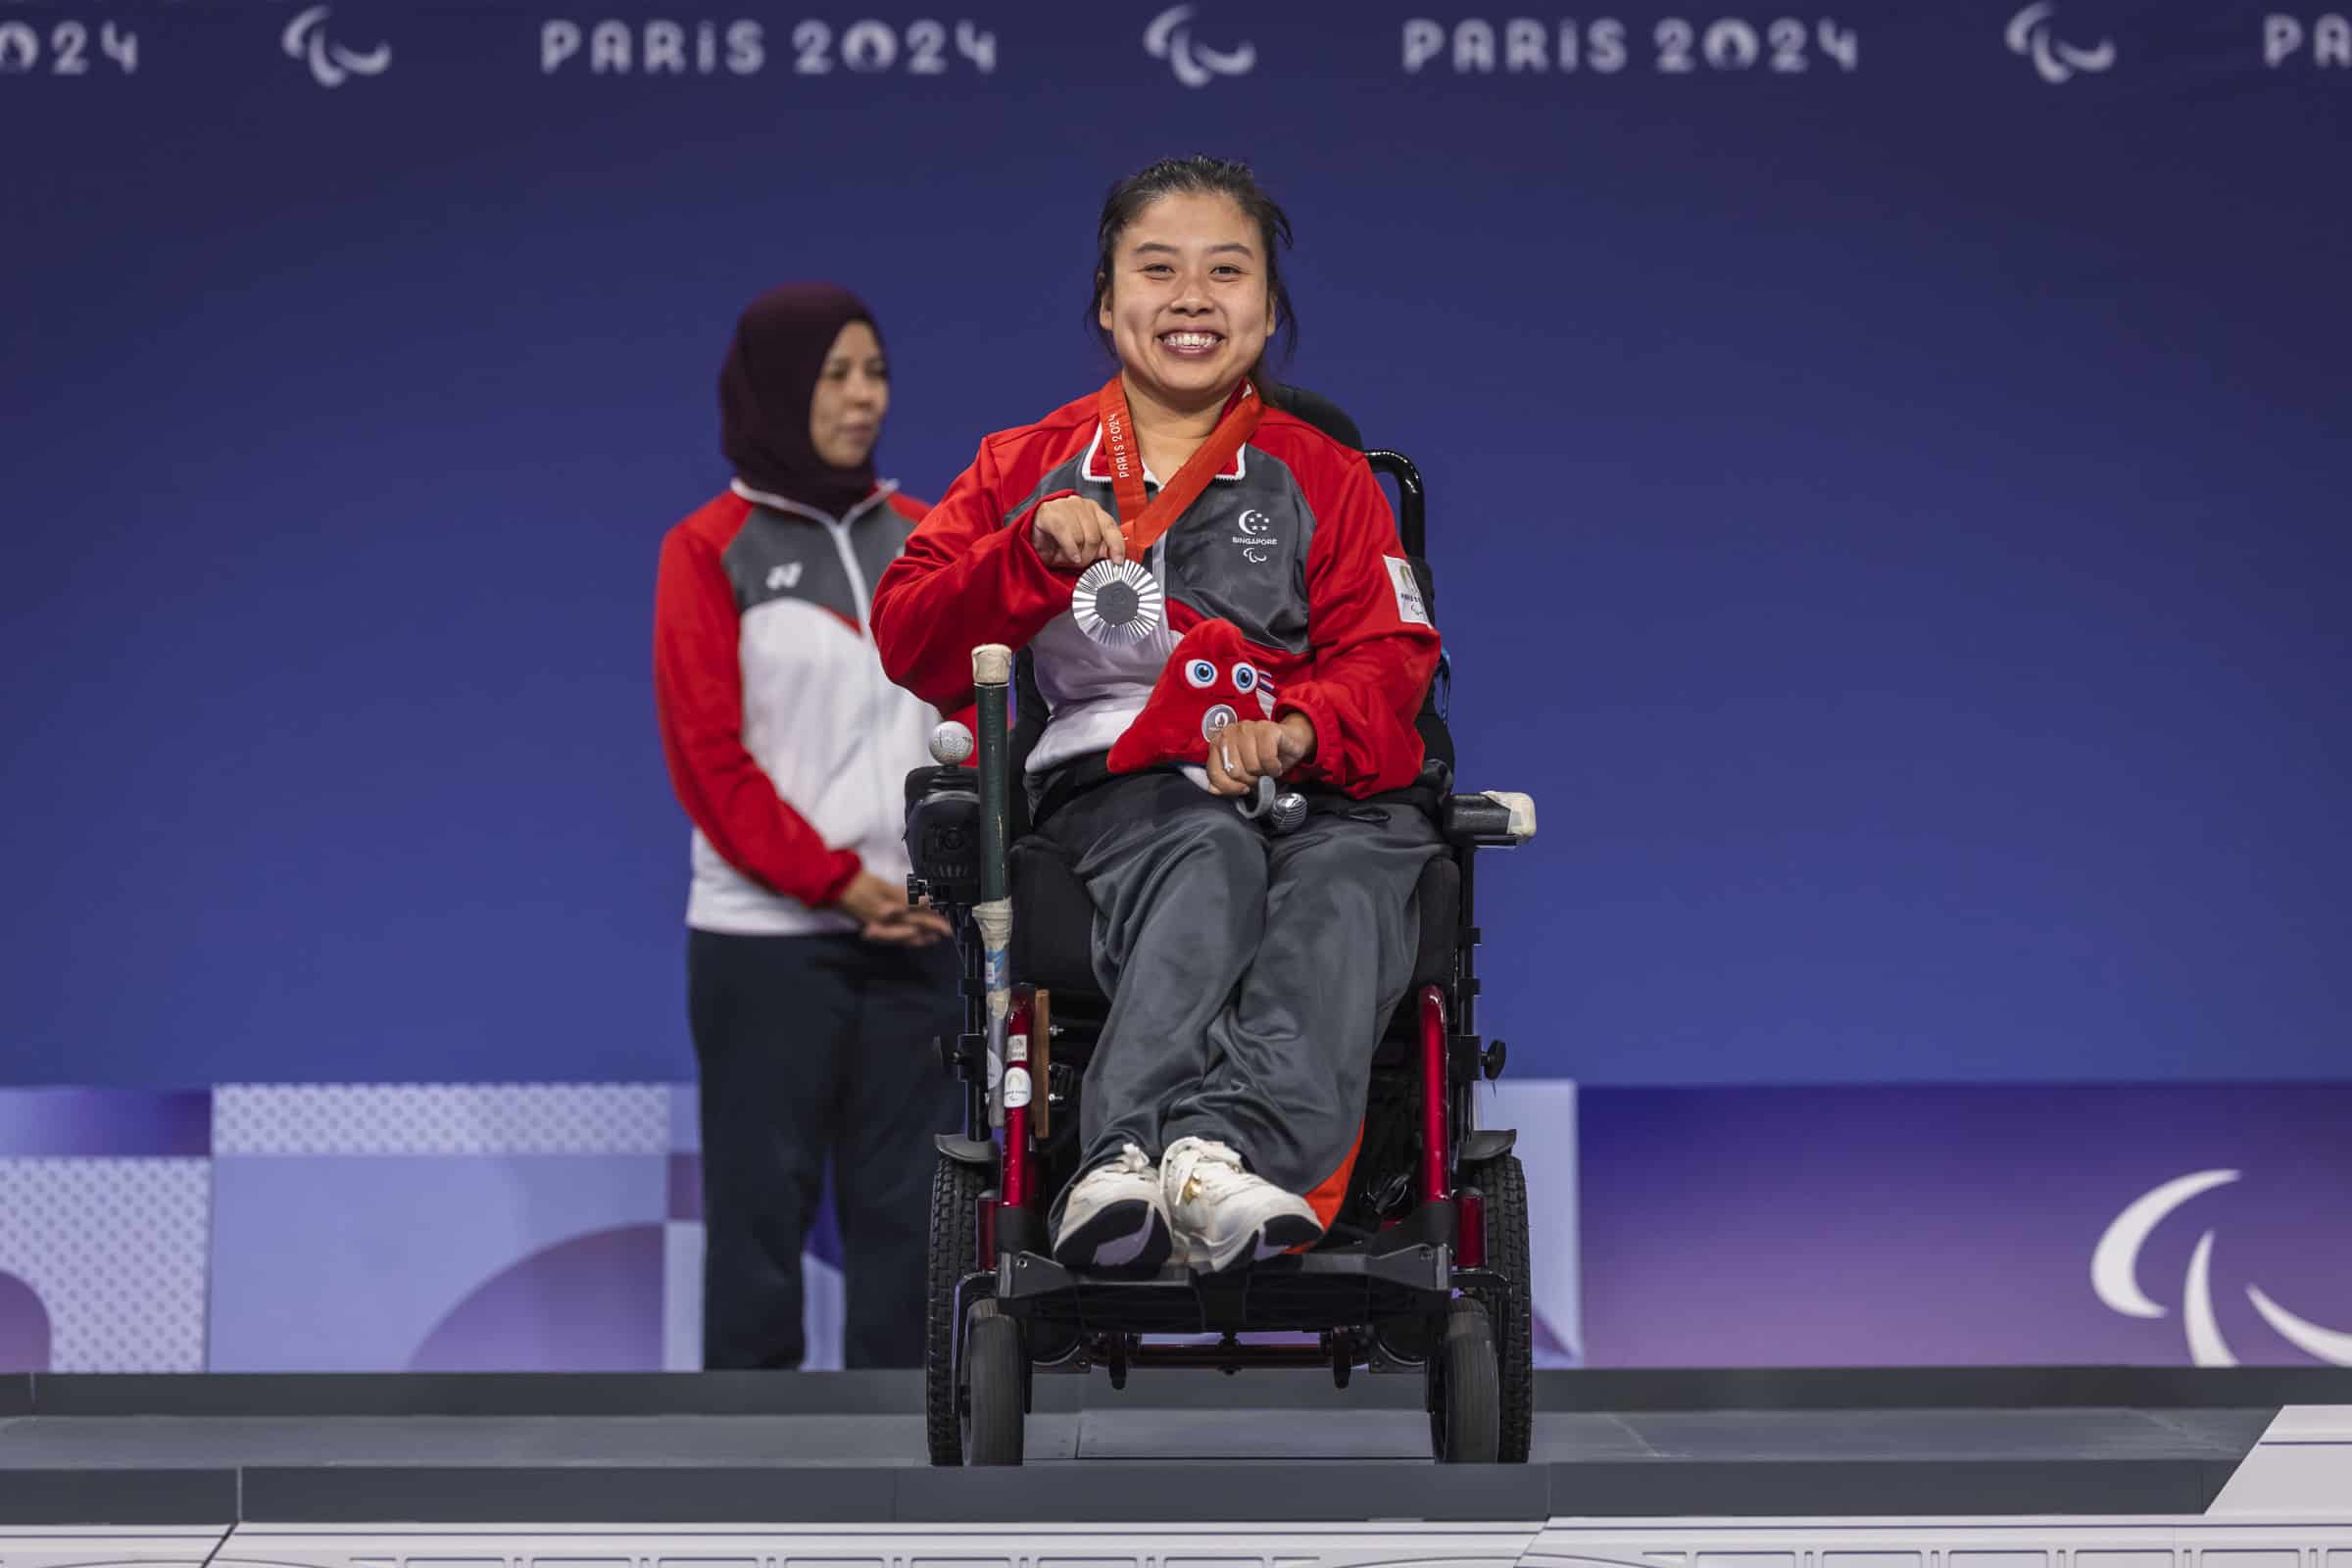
[
  {"x": 2021, "y": 27},
  {"x": 2098, "y": 58},
  {"x": 298, "y": 31},
  {"x": 1155, "y": 36},
  {"x": 370, "y": 63},
  {"x": 2206, "y": 1346},
  {"x": 2111, "y": 1263},
  {"x": 1230, "y": 63},
  {"x": 2327, "y": 1344}
]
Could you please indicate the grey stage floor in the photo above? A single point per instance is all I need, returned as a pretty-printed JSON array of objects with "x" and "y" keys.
[{"x": 848, "y": 1447}]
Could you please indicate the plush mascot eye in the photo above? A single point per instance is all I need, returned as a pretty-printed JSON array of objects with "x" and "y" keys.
[
  {"x": 1201, "y": 674},
  {"x": 1245, "y": 679}
]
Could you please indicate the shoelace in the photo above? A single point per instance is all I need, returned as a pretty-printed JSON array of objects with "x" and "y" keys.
[
  {"x": 1129, "y": 1161},
  {"x": 1213, "y": 1170}
]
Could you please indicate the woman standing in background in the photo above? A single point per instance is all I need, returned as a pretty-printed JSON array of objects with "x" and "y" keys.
[{"x": 815, "y": 990}]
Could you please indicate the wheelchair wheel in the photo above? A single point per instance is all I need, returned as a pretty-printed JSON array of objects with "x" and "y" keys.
[
  {"x": 996, "y": 1367},
  {"x": 1511, "y": 1306},
  {"x": 1465, "y": 1417},
  {"x": 956, "y": 1190}
]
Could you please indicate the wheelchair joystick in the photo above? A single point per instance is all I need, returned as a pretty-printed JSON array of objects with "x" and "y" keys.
[
  {"x": 1280, "y": 813},
  {"x": 950, "y": 744}
]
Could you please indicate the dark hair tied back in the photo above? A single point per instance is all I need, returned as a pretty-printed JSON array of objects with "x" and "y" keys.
[{"x": 1200, "y": 175}]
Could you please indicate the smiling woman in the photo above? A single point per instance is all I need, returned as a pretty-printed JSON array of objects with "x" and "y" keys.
[{"x": 1249, "y": 975}]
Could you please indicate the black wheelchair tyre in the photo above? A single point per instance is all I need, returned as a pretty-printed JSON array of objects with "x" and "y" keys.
[
  {"x": 956, "y": 1190},
  {"x": 997, "y": 1368},
  {"x": 1511, "y": 1306},
  {"x": 1465, "y": 1415}
]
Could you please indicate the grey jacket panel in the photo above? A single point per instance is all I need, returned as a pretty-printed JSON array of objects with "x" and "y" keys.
[
  {"x": 1238, "y": 554},
  {"x": 778, "y": 556},
  {"x": 878, "y": 538}
]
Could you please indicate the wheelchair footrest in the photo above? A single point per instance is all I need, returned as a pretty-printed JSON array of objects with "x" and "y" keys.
[{"x": 1312, "y": 1291}]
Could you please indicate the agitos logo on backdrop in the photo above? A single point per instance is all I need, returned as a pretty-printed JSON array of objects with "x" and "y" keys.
[
  {"x": 662, "y": 46},
  {"x": 2030, "y": 34},
  {"x": 2115, "y": 1270},
  {"x": 332, "y": 63},
  {"x": 1169, "y": 38}
]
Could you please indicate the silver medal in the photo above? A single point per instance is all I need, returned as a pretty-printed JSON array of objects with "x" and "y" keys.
[{"x": 1117, "y": 602}]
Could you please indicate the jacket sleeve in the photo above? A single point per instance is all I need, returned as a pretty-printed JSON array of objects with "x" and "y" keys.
[
  {"x": 916, "y": 512},
  {"x": 1374, "y": 646},
  {"x": 698, "y": 691},
  {"x": 962, "y": 581}
]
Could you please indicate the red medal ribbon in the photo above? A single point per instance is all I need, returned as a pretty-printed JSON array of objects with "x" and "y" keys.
[{"x": 1143, "y": 523}]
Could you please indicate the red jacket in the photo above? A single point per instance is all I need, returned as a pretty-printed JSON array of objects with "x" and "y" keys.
[
  {"x": 788, "y": 747},
  {"x": 1293, "y": 544}
]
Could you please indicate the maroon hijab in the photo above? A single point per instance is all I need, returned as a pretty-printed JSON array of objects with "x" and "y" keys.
[{"x": 765, "y": 389}]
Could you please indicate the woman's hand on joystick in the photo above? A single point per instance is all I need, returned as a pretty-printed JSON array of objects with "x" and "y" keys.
[{"x": 1241, "y": 754}]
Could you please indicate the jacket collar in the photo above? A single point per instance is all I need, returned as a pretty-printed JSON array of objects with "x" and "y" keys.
[
  {"x": 1088, "y": 472},
  {"x": 880, "y": 493}
]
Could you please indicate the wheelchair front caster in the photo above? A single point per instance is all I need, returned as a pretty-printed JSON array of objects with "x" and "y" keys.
[
  {"x": 995, "y": 1372},
  {"x": 1465, "y": 1401}
]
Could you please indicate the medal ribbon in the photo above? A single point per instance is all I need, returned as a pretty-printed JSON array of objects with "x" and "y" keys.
[{"x": 1143, "y": 523}]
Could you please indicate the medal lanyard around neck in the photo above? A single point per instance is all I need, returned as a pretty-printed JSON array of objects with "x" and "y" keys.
[{"x": 1143, "y": 522}]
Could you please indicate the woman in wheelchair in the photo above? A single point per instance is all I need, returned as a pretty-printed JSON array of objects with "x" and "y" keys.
[{"x": 1250, "y": 972}]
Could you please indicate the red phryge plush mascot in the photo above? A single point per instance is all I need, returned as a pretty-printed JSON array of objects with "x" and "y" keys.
[{"x": 1208, "y": 683}]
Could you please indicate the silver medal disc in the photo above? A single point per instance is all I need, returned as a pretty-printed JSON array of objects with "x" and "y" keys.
[{"x": 1117, "y": 602}]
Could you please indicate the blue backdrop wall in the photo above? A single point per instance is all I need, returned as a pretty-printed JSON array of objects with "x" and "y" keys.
[{"x": 1889, "y": 476}]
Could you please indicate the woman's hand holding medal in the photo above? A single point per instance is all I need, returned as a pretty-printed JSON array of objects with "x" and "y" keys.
[{"x": 1072, "y": 533}]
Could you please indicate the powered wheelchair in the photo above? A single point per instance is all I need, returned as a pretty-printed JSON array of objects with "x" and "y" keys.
[{"x": 1423, "y": 1270}]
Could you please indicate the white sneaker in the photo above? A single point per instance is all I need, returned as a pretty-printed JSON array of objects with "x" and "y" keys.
[
  {"x": 1114, "y": 1220},
  {"x": 1222, "y": 1214}
]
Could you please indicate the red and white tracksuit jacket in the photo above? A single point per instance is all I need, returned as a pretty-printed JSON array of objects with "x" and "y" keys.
[
  {"x": 788, "y": 745},
  {"x": 1293, "y": 544}
]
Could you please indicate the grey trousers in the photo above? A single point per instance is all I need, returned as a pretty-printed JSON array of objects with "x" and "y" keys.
[{"x": 1249, "y": 975}]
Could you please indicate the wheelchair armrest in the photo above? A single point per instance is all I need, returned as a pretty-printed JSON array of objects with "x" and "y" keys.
[{"x": 1498, "y": 820}]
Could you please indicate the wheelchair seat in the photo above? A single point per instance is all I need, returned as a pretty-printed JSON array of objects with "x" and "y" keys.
[{"x": 1052, "y": 941}]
